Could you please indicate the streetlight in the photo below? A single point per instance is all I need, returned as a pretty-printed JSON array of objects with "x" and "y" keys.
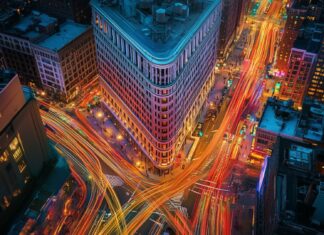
[
  {"x": 99, "y": 114},
  {"x": 119, "y": 137}
]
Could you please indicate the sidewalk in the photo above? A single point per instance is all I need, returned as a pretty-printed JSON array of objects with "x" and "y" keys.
[
  {"x": 105, "y": 124},
  {"x": 109, "y": 129}
]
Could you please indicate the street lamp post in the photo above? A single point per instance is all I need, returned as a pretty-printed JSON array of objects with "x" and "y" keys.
[{"x": 100, "y": 115}]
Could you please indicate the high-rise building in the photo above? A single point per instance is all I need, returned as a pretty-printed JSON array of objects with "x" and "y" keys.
[
  {"x": 295, "y": 83},
  {"x": 16, "y": 43},
  {"x": 23, "y": 143},
  {"x": 66, "y": 60},
  {"x": 289, "y": 189},
  {"x": 311, "y": 121},
  {"x": 156, "y": 62},
  {"x": 57, "y": 57},
  {"x": 265, "y": 216},
  {"x": 232, "y": 17},
  {"x": 76, "y": 10},
  {"x": 301, "y": 64},
  {"x": 278, "y": 119},
  {"x": 244, "y": 6},
  {"x": 281, "y": 119},
  {"x": 316, "y": 86},
  {"x": 298, "y": 187},
  {"x": 298, "y": 12},
  {"x": 19, "y": 6}
]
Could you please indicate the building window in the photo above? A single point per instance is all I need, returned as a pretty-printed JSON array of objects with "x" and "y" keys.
[
  {"x": 22, "y": 166},
  {"x": 5, "y": 202},
  {"x": 13, "y": 145},
  {"x": 17, "y": 154},
  {"x": 4, "y": 157}
]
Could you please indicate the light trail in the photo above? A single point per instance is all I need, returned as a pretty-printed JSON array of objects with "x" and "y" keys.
[
  {"x": 157, "y": 195},
  {"x": 151, "y": 195},
  {"x": 84, "y": 143},
  {"x": 75, "y": 143},
  {"x": 249, "y": 85}
]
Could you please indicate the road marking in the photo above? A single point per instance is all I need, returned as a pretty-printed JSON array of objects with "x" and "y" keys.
[{"x": 114, "y": 180}]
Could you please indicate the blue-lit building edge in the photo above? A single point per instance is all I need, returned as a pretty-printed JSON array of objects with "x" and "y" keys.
[
  {"x": 265, "y": 217},
  {"x": 189, "y": 80},
  {"x": 160, "y": 54}
]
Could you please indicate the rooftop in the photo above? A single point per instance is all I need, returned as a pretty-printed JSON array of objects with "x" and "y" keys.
[
  {"x": 310, "y": 37},
  {"x": 305, "y": 3},
  {"x": 35, "y": 18},
  {"x": 279, "y": 117},
  {"x": 34, "y": 26},
  {"x": 159, "y": 32},
  {"x": 300, "y": 157},
  {"x": 44, "y": 30},
  {"x": 296, "y": 155},
  {"x": 6, "y": 75},
  {"x": 68, "y": 31},
  {"x": 297, "y": 160},
  {"x": 311, "y": 124}
]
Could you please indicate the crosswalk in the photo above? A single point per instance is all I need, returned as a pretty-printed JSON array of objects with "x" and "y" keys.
[
  {"x": 176, "y": 200},
  {"x": 114, "y": 180},
  {"x": 175, "y": 203},
  {"x": 206, "y": 166}
]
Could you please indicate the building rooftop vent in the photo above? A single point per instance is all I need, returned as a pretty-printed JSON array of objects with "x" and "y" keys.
[
  {"x": 180, "y": 11},
  {"x": 160, "y": 16}
]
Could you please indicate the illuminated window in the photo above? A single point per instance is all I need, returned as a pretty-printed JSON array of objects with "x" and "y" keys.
[
  {"x": 165, "y": 92},
  {"x": 13, "y": 144},
  {"x": 17, "y": 154},
  {"x": 5, "y": 202},
  {"x": 16, "y": 192},
  {"x": 4, "y": 157},
  {"x": 22, "y": 166},
  {"x": 26, "y": 179}
]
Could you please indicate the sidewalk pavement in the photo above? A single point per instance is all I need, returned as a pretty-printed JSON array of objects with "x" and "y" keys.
[{"x": 108, "y": 129}]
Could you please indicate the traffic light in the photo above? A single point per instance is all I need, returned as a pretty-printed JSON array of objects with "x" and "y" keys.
[
  {"x": 229, "y": 82},
  {"x": 200, "y": 133}
]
